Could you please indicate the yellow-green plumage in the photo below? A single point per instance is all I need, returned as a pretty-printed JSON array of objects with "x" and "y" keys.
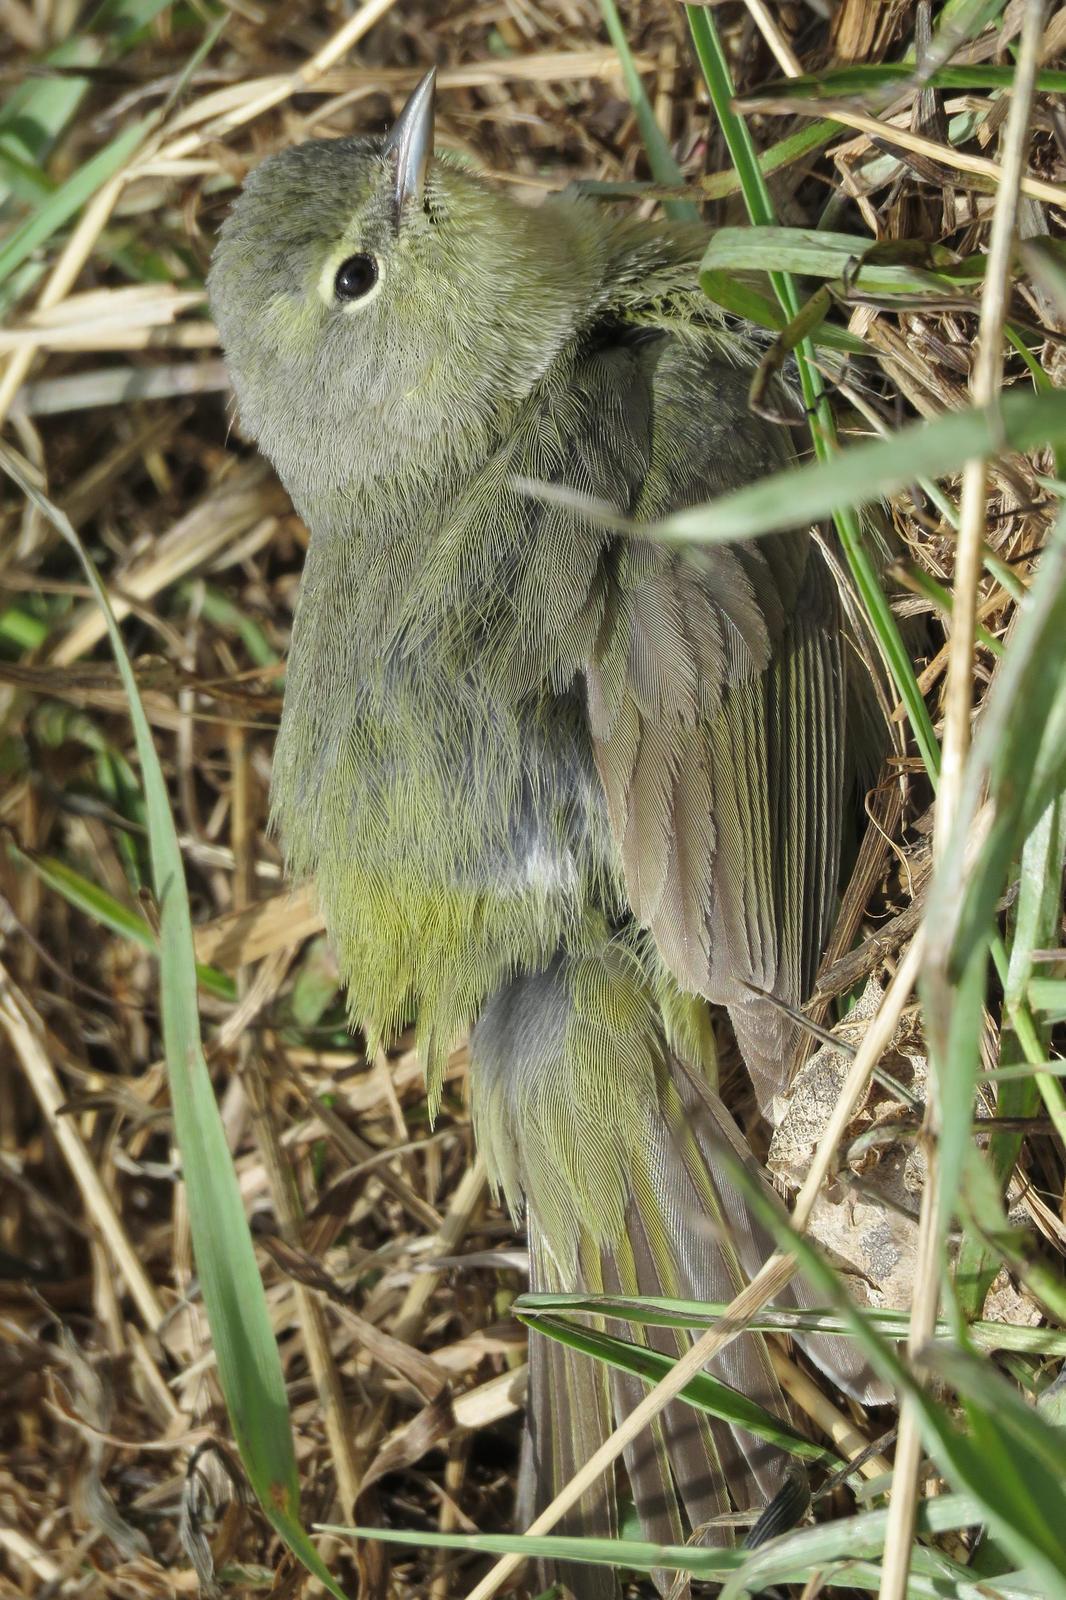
[{"x": 551, "y": 782}]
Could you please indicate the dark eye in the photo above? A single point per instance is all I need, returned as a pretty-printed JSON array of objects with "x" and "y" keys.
[{"x": 355, "y": 277}]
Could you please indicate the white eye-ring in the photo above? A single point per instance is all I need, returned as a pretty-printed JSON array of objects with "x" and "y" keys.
[{"x": 355, "y": 281}]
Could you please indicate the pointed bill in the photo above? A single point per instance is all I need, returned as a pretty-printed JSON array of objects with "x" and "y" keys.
[{"x": 410, "y": 140}]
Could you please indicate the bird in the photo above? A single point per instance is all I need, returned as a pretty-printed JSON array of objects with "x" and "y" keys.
[{"x": 561, "y": 785}]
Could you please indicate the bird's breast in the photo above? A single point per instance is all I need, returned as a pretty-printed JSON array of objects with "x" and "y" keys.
[
  {"x": 413, "y": 771},
  {"x": 453, "y": 837}
]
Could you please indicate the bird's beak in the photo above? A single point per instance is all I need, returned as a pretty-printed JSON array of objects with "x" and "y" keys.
[{"x": 410, "y": 141}]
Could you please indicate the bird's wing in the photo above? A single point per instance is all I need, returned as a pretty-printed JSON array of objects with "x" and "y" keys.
[
  {"x": 713, "y": 673},
  {"x": 716, "y": 710}
]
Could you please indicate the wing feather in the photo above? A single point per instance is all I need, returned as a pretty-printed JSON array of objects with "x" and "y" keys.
[
  {"x": 650, "y": 827},
  {"x": 682, "y": 926},
  {"x": 716, "y": 710},
  {"x": 712, "y": 673}
]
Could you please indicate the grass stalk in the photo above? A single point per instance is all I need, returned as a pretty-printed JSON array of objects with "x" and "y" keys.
[
  {"x": 985, "y": 386},
  {"x": 664, "y": 168},
  {"x": 761, "y": 212}
]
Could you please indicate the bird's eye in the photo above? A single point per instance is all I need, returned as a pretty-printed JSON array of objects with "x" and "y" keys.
[{"x": 355, "y": 277}]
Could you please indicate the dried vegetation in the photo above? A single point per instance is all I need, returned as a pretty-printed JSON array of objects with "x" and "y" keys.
[{"x": 389, "y": 1271}]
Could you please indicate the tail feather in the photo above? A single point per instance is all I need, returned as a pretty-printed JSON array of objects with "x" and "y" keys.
[
  {"x": 586, "y": 1113},
  {"x": 687, "y": 1472},
  {"x": 678, "y": 1469},
  {"x": 708, "y": 1234},
  {"x": 569, "y": 1415}
]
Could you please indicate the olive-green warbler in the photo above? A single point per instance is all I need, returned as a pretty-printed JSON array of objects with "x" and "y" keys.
[{"x": 555, "y": 783}]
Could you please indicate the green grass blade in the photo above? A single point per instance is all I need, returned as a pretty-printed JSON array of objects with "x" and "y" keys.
[
  {"x": 657, "y": 1311},
  {"x": 848, "y": 1540},
  {"x": 1019, "y": 752},
  {"x": 1036, "y": 1542},
  {"x": 774, "y": 249},
  {"x": 719, "y": 185},
  {"x": 857, "y": 79},
  {"x": 89, "y": 898},
  {"x": 864, "y": 473},
  {"x": 1021, "y": 1451},
  {"x": 857, "y": 267},
  {"x": 961, "y": 20},
  {"x": 795, "y": 1555},
  {"x": 125, "y": 19},
  {"x": 956, "y": 1059},
  {"x": 660, "y": 157},
  {"x": 823, "y": 431},
  {"x": 1034, "y": 924},
  {"x": 1026, "y": 1069},
  {"x": 704, "y": 1392},
  {"x": 69, "y": 198},
  {"x": 733, "y": 294},
  {"x": 22, "y": 630},
  {"x": 36, "y": 112},
  {"x": 635, "y": 1555},
  {"x": 249, "y": 1366},
  {"x": 110, "y": 913},
  {"x": 1048, "y": 996}
]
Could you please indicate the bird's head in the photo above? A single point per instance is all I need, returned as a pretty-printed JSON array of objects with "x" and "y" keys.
[{"x": 376, "y": 304}]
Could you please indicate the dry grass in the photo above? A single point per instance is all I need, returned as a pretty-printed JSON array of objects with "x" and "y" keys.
[{"x": 389, "y": 1273}]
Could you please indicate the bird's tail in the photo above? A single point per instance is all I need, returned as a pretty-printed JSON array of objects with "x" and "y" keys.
[{"x": 583, "y": 1095}]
